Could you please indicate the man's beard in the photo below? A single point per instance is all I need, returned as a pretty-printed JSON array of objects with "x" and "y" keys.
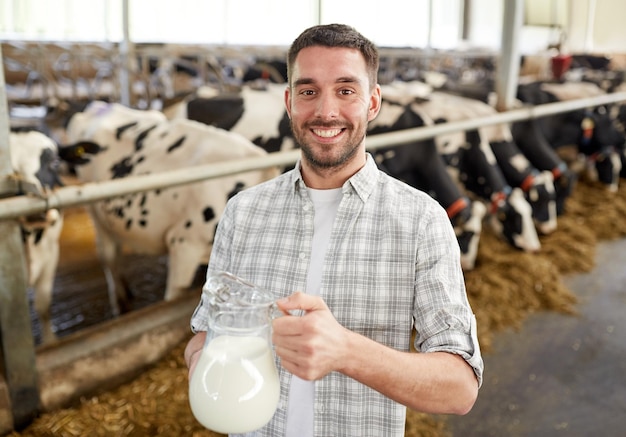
[{"x": 347, "y": 149}]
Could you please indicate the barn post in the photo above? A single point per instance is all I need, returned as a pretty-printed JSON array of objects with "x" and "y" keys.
[
  {"x": 591, "y": 17},
  {"x": 509, "y": 63},
  {"x": 126, "y": 49},
  {"x": 16, "y": 337}
]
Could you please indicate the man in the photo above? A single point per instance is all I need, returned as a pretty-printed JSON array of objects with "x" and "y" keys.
[{"x": 373, "y": 260}]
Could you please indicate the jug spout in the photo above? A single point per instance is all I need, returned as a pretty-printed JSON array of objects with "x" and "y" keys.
[{"x": 224, "y": 287}]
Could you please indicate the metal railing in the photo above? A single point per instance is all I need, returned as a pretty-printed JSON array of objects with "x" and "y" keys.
[{"x": 64, "y": 197}]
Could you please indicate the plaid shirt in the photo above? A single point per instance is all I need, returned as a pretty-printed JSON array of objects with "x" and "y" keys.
[{"x": 392, "y": 265}]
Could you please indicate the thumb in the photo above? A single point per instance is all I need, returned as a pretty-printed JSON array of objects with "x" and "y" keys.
[{"x": 300, "y": 301}]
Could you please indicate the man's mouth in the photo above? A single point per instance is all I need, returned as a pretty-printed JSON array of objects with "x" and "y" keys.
[{"x": 327, "y": 133}]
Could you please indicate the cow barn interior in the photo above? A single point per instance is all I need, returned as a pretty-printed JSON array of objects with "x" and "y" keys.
[{"x": 550, "y": 316}]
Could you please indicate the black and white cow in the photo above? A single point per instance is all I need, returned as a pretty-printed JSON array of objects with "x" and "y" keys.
[
  {"x": 471, "y": 161},
  {"x": 419, "y": 164},
  {"x": 257, "y": 114},
  {"x": 260, "y": 115},
  {"x": 34, "y": 162},
  {"x": 591, "y": 130},
  {"x": 115, "y": 142},
  {"x": 538, "y": 186}
]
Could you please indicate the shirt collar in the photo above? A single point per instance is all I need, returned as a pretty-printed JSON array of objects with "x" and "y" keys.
[{"x": 362, "y": 182}]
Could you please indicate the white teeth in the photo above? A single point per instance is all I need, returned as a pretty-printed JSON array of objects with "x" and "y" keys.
[{"x": 326, "y": 133}]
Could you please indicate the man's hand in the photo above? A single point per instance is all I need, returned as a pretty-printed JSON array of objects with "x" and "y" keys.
[
  {"x": 315, "y": 344},
  {"x": 193, "y": 350},
  {"x": 310, "y": 346}
]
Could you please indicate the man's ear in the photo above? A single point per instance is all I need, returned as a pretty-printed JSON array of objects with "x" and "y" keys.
[
  {"x": 288, "y": 101},
  {"x": 375, "y": 103}
]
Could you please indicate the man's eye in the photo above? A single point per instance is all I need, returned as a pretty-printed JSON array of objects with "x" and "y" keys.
[
  {"x": 346, "y": 92},
  {"x": 307, "y": 92}
]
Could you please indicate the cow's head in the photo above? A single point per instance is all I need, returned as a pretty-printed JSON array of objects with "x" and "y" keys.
[
  {"x": 512, "y": 219},
  {"x": 35, "y": 161},
  {"x": 564, "y": 183},
  {"x": 36, "y": 170},
  {"x": 541, "y": 195},
  {"x": 602, "y": 142},
  {"x": 468, "y": 224},
  {"x": 605, "y": 166}
]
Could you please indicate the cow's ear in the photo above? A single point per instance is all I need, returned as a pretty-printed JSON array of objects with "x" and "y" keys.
[{"x": 76, "y": 153}]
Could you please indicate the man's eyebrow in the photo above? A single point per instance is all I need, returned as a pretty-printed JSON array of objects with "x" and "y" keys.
[
  {"x": 347, "y": 79},
  {"x": 303, "y": 81},
  {"x": 309, "y": 81}
]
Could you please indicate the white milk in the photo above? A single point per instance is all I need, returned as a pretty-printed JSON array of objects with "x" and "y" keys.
[{"x": 234, "y": 388}]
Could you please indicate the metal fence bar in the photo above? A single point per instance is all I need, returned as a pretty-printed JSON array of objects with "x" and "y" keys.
[
  {"x": 17, "y": 349},
  {"x": 91, "y": 192}
]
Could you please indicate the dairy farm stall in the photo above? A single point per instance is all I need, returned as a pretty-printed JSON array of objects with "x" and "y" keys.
[
  {"x": 505, "y": 288},
  {"x": 124, "y": 375}
]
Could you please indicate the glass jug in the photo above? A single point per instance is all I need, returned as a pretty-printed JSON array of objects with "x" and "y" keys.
[{"x": 234, "y": 387}]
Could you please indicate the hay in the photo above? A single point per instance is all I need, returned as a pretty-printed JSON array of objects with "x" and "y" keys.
[
  {"x": 504, "y": 289},
  {"x": 153, "y": 404}
]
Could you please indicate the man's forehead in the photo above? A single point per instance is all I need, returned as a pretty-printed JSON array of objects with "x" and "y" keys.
[
  {"x": 325, "y": 51},
  {"x": 347, "y": 64}
]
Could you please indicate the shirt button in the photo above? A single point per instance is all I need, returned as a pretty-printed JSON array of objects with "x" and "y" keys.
[
  {"x": 305, "y": 207},
  {"x": 302, "y": 255}
]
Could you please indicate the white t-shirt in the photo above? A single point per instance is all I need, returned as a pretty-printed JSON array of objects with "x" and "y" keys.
[{"x": 302, "y": 393}]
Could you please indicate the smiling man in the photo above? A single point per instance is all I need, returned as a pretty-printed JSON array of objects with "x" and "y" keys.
[
  {"x": 358, "y": 261},
  {"x": 329, "y": 104}
]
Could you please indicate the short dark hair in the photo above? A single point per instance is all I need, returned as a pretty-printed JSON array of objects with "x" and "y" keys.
[{"x": 335, "y": 35}]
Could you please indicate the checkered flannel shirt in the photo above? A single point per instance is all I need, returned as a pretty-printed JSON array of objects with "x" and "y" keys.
[{"x": 392, "y": 265}]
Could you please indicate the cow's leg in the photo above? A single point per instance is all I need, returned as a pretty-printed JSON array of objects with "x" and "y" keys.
[
  {"x": 43, "y": 300},
  {"x": 44, "y": 259},
  {"x": 184, "y": 260},
  {"x": 110, "y": 253}
]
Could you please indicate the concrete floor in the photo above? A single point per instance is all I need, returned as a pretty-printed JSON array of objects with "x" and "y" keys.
[{"x": 561, "y": 375}]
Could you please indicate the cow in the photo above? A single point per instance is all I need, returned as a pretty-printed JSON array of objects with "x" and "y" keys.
[
  {"x": 34, "y": 161},
  {"x": 256, "y": 113},
  {"x": 543, "y": 156},
  {"x": 592, "y": 130},
  {"x": 420, "y": 165},
  {"x": 471, "y": 161},
  {"x": 518, "y": 171},
  {"x": 469, "y": 158},
  {"x": 109, "y": 141},
  {"x": 260, "y": 115}
]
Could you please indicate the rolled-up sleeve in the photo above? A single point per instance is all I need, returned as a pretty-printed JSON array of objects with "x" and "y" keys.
[{"x": 444, "y": 321}]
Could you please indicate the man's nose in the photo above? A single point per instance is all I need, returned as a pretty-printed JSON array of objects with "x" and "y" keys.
[{"x": 327, "y": 107}]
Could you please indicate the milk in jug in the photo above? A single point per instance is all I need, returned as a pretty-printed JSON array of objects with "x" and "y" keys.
[{"x": 234, "y": 387}]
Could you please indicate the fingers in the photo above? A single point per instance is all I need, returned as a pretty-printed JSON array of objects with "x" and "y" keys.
[
  {"x": 193, "y": 362},
  {"x": 193, "y": 349},
  {"x": 301, "y": 301},
  {"x": 306, "y": 344}
]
